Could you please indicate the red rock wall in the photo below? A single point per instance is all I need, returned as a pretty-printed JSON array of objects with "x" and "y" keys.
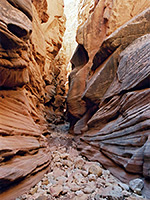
[
  {"x": 31, "y": 90},
  {"x": 108, "y": 100}
]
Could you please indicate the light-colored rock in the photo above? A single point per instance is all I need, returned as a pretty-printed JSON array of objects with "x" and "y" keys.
[
  {"x": 89, "y": 188},
  {"x": 126, "y": 193},
  {"x": 79, "y": 193},
  {"x": 58, "y": 172},
  {"x": 61, "y": 180},
  {"x": 79, "y": 179},
  {"x": 95, "y": 169},
  {"x": 84, "y": 173},
  {"x": 83, "y": 197},
  {"x": 123, "y": 186},
  {"x": 79, "y": 162},
  {"x": 112, "y": 192},
  {"x": 55, "y": 190},
  {"x": 92, "y": 177},
  {"x": 66, "y": 190},
  {"x": 123, "y": 11},
  {"x": 33, "y": 190},
  {"x": 74, "y": 187},
  {"x": 136, "y": 185},
  {"x": 84, "y": 11}
]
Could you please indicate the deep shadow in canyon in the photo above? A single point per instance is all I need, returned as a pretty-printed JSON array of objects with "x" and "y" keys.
[{"x": 107, "y": 100}]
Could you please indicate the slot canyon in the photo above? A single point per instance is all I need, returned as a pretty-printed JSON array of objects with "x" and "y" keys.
[{"x": 74, "y": 99}]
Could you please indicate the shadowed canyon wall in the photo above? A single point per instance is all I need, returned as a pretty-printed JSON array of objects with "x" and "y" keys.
[
  {"x": 108, "y": 99},
  {"x": 32, "y": 91}
]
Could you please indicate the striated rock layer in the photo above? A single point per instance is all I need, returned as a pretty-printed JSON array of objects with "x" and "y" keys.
[
  {"x": 31, "y": 90},
  {"x": 108, "y": 100}
]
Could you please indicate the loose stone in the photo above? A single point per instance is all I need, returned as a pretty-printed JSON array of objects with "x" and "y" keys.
[{"x": 136, "y": 185}]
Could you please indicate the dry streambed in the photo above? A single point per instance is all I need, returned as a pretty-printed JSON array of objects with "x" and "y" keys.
[{"x": 73, "y": 177}]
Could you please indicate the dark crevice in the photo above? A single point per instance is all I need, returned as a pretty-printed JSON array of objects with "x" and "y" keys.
[
  {"x": 114, "y": 117},
  {"x": 144, "y": 84},
  {"x": 102, "y": 55},
  {"x": 16, "y": 30},
  {"x": 80, "y": 57}
]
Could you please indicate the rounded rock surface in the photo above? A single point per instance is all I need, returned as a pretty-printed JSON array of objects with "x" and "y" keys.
[
  {"x": 95, "y": 169},
  {"x": 136, "y": 184}
]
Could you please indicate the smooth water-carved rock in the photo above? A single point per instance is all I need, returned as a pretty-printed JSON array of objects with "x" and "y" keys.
[
  {"x": 120, "y": 128},
  {"x": 92, "y": 36},
  {"x": 15, "y": 29},
  {"x": 118, "y": 83},
  {"x": 85, "y": 37},
  {"x": 27, "y": 90}
]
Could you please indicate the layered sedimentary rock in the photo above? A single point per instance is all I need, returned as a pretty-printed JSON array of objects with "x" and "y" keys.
[
  {"x": 85, "y": 9},
  {"x": 77, "y": 12},
  {"x": 108, "y": 99},
  {"x": 30, "y": 90}
]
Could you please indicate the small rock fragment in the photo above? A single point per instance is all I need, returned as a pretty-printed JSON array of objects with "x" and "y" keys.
[
  {"x": 74, "y": 187},
  {"x": 45, "y": 181},
  {"x": 79, "y": 193},
  {"x": 123, "y": 186},
  {"x": 33, "y": 190},
  {"x": 90, "y": 187},
  {"x": 112, "y": 192},
  {"x": 43, "y": 197},
  {"x": 79, "y": 162},
  {"x": 136, "y": 185},
  {"x": 56, "y": 190},
  {"x": 64, "y": 156},
  {"x": 92, "y": 177},
  {"x": 95, "y": 169},
  {"x": 84, "y": 173},
  {"x": 66, "y": 189}
]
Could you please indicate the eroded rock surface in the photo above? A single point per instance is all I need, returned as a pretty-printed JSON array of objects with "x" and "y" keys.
[
  {"x": 30, "y": 38},
  {"x": 108, "y": 100},
  {"x": 73, "y": 177}
]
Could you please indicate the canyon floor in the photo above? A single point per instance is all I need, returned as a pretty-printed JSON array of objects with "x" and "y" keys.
[{"x": 73, "y": 177}]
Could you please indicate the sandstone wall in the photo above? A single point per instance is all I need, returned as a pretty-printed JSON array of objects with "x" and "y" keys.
[
  {"x": 30, "y": 89},
  {"x": 108, "y": 102},
  {"x": 76, "y": 12}
]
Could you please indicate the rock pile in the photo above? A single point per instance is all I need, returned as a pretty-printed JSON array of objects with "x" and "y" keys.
[{"x": 72, "y": 176}]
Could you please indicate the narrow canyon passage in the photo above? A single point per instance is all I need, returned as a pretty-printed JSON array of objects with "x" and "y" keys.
[{"x": 74, "y": 99}]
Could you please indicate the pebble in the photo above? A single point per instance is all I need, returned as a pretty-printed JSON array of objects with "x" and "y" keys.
[
  {"x": 95, "y": 169},
  {"x": 79, "y": 193},
  {"x": 92, "y": 177},
  {"x": 123, "y": 186},
  {"x": 33, "y": 190},
  {"x": 90, "y": 187},
  {"x": 73, "y": 177},
  {"x": 79, "y": 162},
  {"x": 56, "y": 190},
  {"x": 136, "y": 185},
  {"x": 45, "y": 181},
  {"x": 43, "y": 197},
  {"x": 112, "y": 192}
]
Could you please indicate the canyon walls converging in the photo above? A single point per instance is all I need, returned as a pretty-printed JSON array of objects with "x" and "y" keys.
[
  {"x": 108, "y": 103},
  {"x": 108, "y": 100}
]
